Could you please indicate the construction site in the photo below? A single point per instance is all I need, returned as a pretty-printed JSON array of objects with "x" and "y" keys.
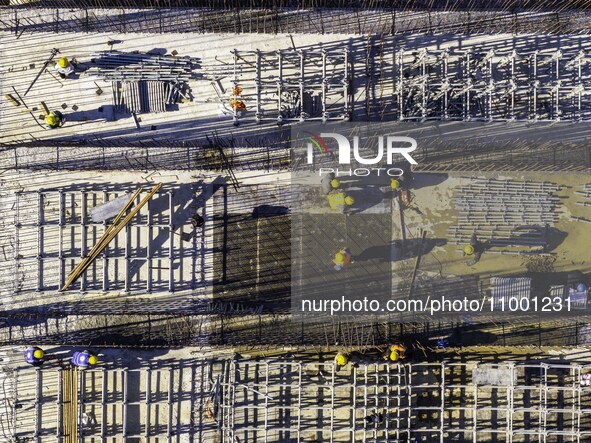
[{"x": 279, "y": 221}]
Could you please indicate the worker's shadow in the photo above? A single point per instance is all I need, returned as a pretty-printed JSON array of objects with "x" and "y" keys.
[
  {"x": 546, "y": 237},
  {"x": 365, "y": 198},
  {"x": 398, "y": 250},
  {"x": 424, "y": 180},
  {"x": 185, "y": 205},
  {"x": 105, "y": 112}
]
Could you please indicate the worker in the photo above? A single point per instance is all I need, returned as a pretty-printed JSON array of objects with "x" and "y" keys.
[
  {"x": 474, "y": 250},
  {"x": 54, "y": 119},
  {"x": 64, "y": 67},
  {"x": 326, "y": 183},
  {"x": 338, "y": 201},
  {"x": 84, "y": 359},
  {"x": 342, "y": 259},
  {"x": 396, "y": 352},
  {"x": 341, "y": 359},
  {"x": 34, "y": 356},
  {"x": 197, "y": 221}
]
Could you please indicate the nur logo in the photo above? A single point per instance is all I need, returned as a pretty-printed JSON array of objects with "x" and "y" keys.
[
  {"x": 318, "y": 142},
  {"x": 398, "y": 145}
]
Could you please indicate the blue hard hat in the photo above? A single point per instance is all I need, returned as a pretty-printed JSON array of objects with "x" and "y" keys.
[{"x": 581, "y": 287}]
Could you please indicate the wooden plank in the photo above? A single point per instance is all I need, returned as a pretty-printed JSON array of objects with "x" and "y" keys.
[
  {"x": 12, "y": 100},
  {"x": 111, "y": 232}
]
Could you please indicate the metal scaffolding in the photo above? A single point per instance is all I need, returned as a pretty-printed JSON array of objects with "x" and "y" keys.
[
  {"x": 490, "y": 86},
  {"x": 275, "y": 401},
  {"x": 294, "y": 85}
]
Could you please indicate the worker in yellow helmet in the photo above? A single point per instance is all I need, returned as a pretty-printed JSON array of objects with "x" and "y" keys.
[
  {"x": 84, "y": 359},
  {"x": 54, "y": 119},
  {"x": 396, "y": 352},
  {"x": 341, "y": 359},
  {"x": 336, "y": 200},
  {"x": 65, "y": 67},
  {"x": 474, "y": 250},
  {"x": 34, "y": 356},
  {"x": 342, "y": 259}
]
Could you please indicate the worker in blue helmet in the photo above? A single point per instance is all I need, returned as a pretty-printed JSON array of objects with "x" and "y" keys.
[
  {"x": 34, "y": 356},
  {"x": 84, "y": 359}
]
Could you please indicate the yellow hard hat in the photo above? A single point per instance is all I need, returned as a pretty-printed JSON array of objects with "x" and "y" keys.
[
  {"x": 63, "y": 62},
  {"x": 394, "y": 184},
  {"x": 342, "y": 359},
  {"x": 349, "y": 200},
  {"x": 339, "y": 258},
  {"x": 38, "y": 353},
  {"x": 51, "y": 119},
  {"x": 93, "y": 360},
  {"x": 335, "y": 183},
  {"x": 468, "y": 249},
  {"x": 394, "y": 355}
]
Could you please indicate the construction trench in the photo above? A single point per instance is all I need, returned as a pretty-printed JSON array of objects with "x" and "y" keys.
[{"x": 162, "y": 226}]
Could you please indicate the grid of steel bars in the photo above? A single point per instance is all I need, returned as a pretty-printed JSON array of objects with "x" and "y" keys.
[
  {"x": 292, "y": 85},
  {"x": 59, "y": 223},
  {"x": 275, "y": 401},
  {"x": 102, "y": 403}
]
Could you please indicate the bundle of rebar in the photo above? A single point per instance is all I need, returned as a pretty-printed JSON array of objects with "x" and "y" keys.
[
  {"x": 69, "y": 405},
  {"x": 121, "y": 66},
  {"x": 585, "y": 195},
  {"x": 505, "y": 212}
]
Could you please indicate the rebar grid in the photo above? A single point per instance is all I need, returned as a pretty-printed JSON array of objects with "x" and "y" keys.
[
  {"x": 294, "y": 85},
  {"x": 70, "y": 405},
  {"x": 64, "y": 233},
  {"x": 430, "y": 402},
  {"x": 320, "y": 17}
]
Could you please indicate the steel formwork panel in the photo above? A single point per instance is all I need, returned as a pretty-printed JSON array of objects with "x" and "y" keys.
[{"x": 54, "y": 231}]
